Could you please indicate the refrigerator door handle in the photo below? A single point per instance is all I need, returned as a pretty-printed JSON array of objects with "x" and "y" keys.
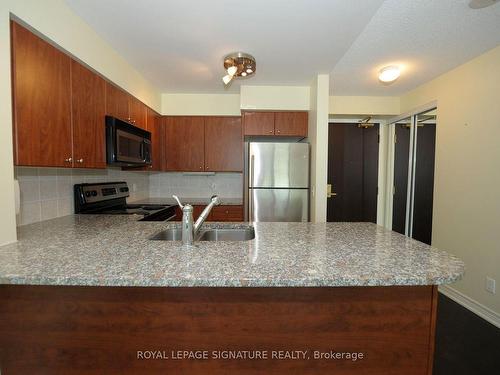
[{"x": 250, "y": 191}]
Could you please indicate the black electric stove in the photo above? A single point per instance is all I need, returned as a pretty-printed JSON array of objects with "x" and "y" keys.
[{"x": 110, "y": 198}]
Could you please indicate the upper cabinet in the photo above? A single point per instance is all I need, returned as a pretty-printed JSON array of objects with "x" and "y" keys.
[
  {"x": 223, "y": 144},
  {"x": 138, "y": 112},
  {"x": 154, "y": 125},
  {"x": 88, "y": 92},
  {"x": 42, "y": 101},
  {"x": 281, "y": 124},
  {"x": 116, "y": 102},
  {"x": 184, "y": 143},
  {"x": 203, "y": 144}
]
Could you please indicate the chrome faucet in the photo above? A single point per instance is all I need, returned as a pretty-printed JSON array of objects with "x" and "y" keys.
[{"x": 190, "y": 230}]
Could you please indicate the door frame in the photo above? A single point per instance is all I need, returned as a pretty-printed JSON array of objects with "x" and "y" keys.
[
  {"x": 389, "y": 183},
  {"x": 382, "y": 161}
]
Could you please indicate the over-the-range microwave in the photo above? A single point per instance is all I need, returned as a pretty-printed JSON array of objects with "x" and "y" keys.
[{"x": 126, "y": 145}]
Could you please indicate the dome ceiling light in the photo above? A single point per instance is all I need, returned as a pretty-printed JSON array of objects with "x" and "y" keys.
[
  {"x": 389, "y": 74},
  {"x": 238, "y": 64},
  {"x": 479, "y": 4}
]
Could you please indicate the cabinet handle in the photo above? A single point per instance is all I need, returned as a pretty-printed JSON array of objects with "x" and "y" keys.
[
  {"x": 68, "y": 160},
  {"x": 201, "y": 167},
  {"x": 79, "y": 161},
  {"x": 206, "y": 167},
  {"x": 277, "y": 131},
  {"x": 271, "y": 132}
]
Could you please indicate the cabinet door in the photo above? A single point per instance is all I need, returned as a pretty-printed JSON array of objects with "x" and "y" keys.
[
  {"x": 258, "y": 123},
  {"x": 137, "y": 112},
  {"x": 290, "y": 124},
  {"x": 88, "y": 92},
  {"x": 226, "y": 213},
  {"x": 223, "y": 144},
  {"x": 155, "y": 127},
  {"x": 41, "y": 98},
  {"x": 116, "y": 102},
  {"x": 184, "y": 143}
]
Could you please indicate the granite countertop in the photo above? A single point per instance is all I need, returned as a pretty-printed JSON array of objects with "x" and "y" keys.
[
  {"x": 192, "y": 201},
  {"x": 115, "y": 251}
]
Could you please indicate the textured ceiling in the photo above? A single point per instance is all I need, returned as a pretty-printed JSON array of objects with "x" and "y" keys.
[
  {"x": 179, "y": 45},
  {"x": 426, "y": 37}
]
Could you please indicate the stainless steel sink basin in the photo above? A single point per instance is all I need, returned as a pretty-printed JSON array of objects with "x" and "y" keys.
[
  {"x": 239, "y": 234},
  {"x": 208, "y": 234}
]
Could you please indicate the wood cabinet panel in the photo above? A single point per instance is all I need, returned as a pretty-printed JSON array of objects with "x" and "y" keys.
[
  {"x": 226, "y": 213},
  {"x": 154, "y": 125},
  {"x": 137, "y": 112},
  {"x": 116, "y": 102},
  {"x": 223, "y": 144},
  {"x": 290, "y": 124},
  {"x": 258, "y": 123},
  {"x": 41, "y": 98},
  {"x": 184, "y": 143},
  {"x": 88, "y": 92}
]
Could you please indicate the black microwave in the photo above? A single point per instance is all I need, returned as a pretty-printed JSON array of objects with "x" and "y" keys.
[{"x": 126, "y": 145}]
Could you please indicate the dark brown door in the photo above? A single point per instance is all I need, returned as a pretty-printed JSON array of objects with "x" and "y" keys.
[
  {"x": 258, "y": 123},
  {"x": 42, "y": 101},
  {"x": 137, "y": 112},
  {"x": 353, "y": 173},
  {"x": 88, "y": 106},
  {"x": 424, "y": 183},
  {"x": 401, "y": 155},
  {"x": 116, "y": 102},
  {"x": 185, "y": 143},
  {"x": 290, "y": 124},
  {"x": 155, "y": 127},
  {"x": 223, "y": 144}
]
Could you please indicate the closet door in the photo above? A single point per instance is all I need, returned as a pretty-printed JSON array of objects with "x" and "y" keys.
[{"x": 401, "y": 169}]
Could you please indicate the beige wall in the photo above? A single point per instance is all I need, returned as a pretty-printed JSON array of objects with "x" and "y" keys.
[
  {"x": 467, "y": 182},
  {"x": 201, "y": 104},
  {"x": 56, "y": 21},
  {"x": 275, "y": 97},
  {"x": 318, "y": 138},
  {"x": 364, "y": 105}
]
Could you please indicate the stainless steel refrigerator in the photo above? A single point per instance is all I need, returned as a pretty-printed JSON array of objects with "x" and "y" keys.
[{"x": 276, "y": 181}]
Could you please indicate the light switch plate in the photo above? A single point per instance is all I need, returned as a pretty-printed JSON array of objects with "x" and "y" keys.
[{"x": 490, "y": 285}]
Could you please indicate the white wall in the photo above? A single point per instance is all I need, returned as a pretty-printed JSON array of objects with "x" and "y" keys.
[
  {"x": 466, "y": 218},
  {"x": 201, "y": 104},
  {"x": 275, "y": 98},
  {"x": 318, "y": 138},
  {"x": 56, "y": 21}
]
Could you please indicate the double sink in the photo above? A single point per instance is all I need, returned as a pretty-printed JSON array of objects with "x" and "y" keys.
[{"x": 209, "y": 234}]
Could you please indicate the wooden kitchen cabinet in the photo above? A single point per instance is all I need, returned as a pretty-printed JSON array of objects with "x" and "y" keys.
[
  {"x": 184, "y": 143},
  {"x": 88, "y": 95},
  {"x": 291, "y": 123},
  {"x": 223, "y": 144},
  {"x": 116, "y": 102},
  {"x": 137, "y": 113},
  {"x": 226, "y": 213},
  {"x": 41, "y": 83},
  {"x": 258, "y": 123},
  {"x": 154, "y": 125}
]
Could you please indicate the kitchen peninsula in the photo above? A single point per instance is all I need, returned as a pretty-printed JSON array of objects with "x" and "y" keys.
[{"x": 87, "y": 294}]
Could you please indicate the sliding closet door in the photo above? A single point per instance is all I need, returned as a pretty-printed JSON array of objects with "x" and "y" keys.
[
  {"x": 401, "y": 168},
  {"x": 425, "y": 145}
]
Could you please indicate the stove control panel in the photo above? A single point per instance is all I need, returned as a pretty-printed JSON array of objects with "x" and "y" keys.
[{"x": 92, "y": 193}]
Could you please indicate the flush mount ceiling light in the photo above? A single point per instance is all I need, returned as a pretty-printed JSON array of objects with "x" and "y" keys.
[
  {"x": 389, "y": 74},
  {"x": 238, "y": 64},
  {"x": 478, "y": 4}
]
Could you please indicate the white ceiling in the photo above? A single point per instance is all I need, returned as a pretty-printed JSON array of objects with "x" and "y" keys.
[
  {"x": 426, "y": 37},
  {"x": 179, "y": 44}
]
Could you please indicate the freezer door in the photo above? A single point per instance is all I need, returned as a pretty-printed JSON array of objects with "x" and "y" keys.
[
  {"x": 279, "y": 205},
  {"x": 274, "y": 165}
]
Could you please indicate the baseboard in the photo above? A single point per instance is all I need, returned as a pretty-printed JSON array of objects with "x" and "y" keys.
[{"x": 471, "y": 305}]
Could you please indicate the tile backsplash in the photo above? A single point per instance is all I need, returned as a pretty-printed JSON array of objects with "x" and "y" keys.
[
  {"x": 185, "y": 185},
  {"x": 47, "y": 193}
]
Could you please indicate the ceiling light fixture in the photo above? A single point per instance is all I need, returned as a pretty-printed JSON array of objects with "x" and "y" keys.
[
  {"x": 389, "y": 74},
  {"x": 479, "y": 4},
  {"x": 238, "y": 64}
]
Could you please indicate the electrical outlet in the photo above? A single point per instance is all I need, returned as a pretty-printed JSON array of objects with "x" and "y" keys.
[{"x": 490, "y": 285}]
